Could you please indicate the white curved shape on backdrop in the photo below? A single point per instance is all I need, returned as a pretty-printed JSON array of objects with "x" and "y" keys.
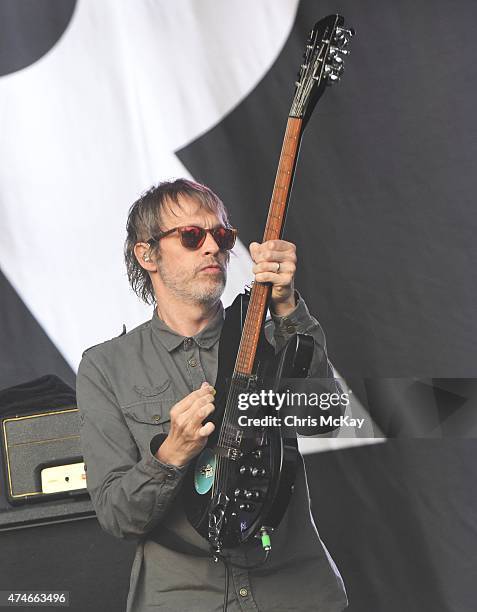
[{"x": 95, "y": 122}]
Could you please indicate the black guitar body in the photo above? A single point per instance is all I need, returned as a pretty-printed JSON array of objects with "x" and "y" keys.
[{"x": 243, "y": 479}]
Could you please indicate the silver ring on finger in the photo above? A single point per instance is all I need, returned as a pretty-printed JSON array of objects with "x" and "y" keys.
[{"x": 278, "y": 269}]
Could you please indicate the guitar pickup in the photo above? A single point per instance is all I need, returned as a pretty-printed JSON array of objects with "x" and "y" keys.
[{"x": 228, "y": 453}]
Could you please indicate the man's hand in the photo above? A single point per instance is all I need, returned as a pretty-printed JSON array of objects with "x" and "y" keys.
[
  {"x": 187, "y": 436},
  {"x": 275, "y": 262}
]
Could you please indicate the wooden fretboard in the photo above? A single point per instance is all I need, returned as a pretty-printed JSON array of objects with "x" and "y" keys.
[{"x": 273, "y": 231}]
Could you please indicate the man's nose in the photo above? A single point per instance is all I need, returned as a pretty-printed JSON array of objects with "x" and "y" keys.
[{"x": 210, "y": 246}]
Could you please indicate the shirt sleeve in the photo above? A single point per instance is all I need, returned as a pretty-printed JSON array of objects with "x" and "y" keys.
[
  {"x": 279, "y": 330},
  {"x": 129, "y": 494}
]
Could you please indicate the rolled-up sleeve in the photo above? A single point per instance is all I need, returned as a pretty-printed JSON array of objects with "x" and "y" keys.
[{"x": 130, "y": 494}]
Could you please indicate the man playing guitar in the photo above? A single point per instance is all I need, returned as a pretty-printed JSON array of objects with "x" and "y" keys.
[{"x": 144, "y": 396}]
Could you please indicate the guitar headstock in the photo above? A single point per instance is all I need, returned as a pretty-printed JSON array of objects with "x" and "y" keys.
[{"x": 323, "y": 63}]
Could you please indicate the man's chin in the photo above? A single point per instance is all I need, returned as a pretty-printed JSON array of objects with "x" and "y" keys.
[{"x": 212, "y": 290}]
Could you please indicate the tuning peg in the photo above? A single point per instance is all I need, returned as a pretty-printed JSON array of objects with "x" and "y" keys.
[
  {"x": 334, "y": 50},
  {"x": 342, "y": 36},
  {"x": 332, "y": 75},
  {"x": 348, "y": 32}
]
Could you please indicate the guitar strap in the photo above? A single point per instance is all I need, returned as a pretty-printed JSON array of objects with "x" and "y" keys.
[{"x": 170, "y": 540}]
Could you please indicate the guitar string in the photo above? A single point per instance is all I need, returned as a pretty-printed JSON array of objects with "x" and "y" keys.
[{"x": 221, "y": 478}]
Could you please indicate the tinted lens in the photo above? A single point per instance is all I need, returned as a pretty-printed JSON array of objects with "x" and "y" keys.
[
  {"x": 192, "y": 237},
  {"x": 224, "y": 237}
]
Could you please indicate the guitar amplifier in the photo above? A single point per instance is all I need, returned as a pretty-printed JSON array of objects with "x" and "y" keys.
[
  {"x": 42, "y": 455},
  {"x": 40, "y": 441}
]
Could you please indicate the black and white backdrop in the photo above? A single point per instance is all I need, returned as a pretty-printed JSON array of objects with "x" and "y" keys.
[{"x": 101, "y": 99}]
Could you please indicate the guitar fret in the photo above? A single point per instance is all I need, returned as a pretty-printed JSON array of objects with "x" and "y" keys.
[{"x": 275, "y": 219}]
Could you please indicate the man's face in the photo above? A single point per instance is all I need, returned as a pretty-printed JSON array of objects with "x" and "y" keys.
[{"x": 195, "y": 276}]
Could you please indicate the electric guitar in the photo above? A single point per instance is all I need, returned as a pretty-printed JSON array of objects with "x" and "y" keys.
[{"x": 239, "y": 486}]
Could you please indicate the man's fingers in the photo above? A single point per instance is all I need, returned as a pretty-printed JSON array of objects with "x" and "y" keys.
[
  {"x": 188, "y": 400},
  {"x": 276, "y": 256},
  {"x": 276, "y": 245},
  {"x": 279, "y": 245},
  {"x": 277, "y": 280},
  {"x": 272, "y": 266},
  {"x": 265, "y": 252},
  {"x": 191, "y": 418},
  {"x": 200, "y": 411},
  {"x": 206, "y": 430}
]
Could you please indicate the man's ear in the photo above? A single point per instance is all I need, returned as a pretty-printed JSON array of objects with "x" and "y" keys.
[{"x": 143, "y": 253}]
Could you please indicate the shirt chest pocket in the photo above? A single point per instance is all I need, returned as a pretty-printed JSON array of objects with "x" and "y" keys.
[{"x": 149, "y": 417}]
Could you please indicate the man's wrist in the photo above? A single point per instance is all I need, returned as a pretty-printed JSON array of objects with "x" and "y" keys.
[
  {"x": 166, "y": 455},
  {"x": 284, "y": 308}
]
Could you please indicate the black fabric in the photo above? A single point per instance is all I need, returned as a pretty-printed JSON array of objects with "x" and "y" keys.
[
  {"x": 29, "y": 29},
  {"x": 46, "y": 392},
  {"x": 26, "y": 352},
  {"x": 399, "y": 519},
  {"x": 383, "y": 203},
  {"x": 77, "y": 556}
]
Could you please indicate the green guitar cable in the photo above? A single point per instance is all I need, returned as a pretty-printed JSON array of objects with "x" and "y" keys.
[{"x": 266, "y": 541}]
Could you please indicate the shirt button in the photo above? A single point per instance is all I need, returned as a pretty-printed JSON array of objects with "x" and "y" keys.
[
  {"x": 187, "y": 343},
  {"x": 170, "y": 476},
  {"x": 243, "y": 592},
  {"x": 192, "y": 362},
  {"x": 291, "y": 329},
  {"x": 156, "y": 418}
]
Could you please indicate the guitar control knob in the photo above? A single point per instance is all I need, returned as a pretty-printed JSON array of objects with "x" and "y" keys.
[
  {"x": 244, "y": 470},
  {"x": 247, "y": 507},
  {"x": 257, "y": 472},
  {"x": 257, "y": 454}
]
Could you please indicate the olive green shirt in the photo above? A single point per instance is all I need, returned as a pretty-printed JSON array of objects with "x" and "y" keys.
[{"x": 125, "y": 390}]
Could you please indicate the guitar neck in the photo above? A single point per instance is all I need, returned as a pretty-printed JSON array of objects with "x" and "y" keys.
[{"x": 273, "y": 230}]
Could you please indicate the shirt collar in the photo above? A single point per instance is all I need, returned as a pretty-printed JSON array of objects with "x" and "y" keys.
[{"x": 206, "y": 338}]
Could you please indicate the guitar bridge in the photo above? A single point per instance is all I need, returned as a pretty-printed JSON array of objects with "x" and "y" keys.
[{"x": 228, "y": 453}]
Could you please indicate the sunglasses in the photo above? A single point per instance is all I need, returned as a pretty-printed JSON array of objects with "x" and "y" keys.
[{"x": 193, "y": 237}]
